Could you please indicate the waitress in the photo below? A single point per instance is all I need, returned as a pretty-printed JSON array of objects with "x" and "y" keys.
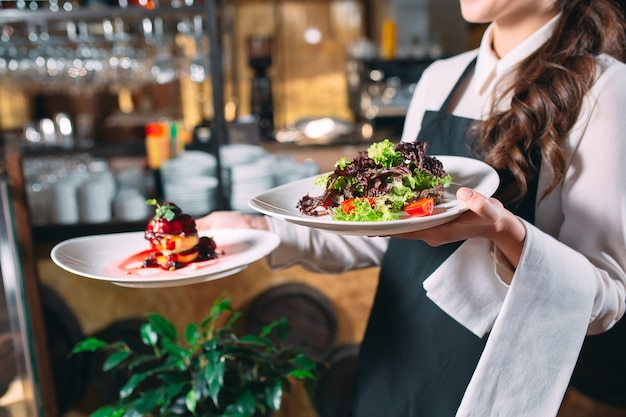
[{"x": 486, "y": 315}]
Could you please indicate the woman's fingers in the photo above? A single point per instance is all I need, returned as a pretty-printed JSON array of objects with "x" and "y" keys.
[
  {"x": 484, "y": 218},
  {"x": 487, "y": 209}
]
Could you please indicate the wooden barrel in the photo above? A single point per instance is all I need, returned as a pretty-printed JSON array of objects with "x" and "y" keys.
[
  {"x": 108, "y": 384},
  {"x": 63, "y": 333},
  {"x": 334, "y": 384},
  {"x": 310, "y": 313}
]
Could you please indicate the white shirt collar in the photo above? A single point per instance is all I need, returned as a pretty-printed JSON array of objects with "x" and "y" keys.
[{"x": 489, "y": 68}]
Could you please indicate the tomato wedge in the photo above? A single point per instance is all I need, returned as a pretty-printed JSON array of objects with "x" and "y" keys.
[
  {"x": 420, "y": 208},
  {"x": 347, "y": 206}
]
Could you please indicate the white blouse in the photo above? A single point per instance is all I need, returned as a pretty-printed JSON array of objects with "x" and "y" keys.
[{"x": 571, "y": 278}]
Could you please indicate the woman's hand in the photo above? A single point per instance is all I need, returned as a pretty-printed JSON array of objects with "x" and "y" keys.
[
  {"x": 486, "y": 218},
  {"x": 232, "y": 220}
]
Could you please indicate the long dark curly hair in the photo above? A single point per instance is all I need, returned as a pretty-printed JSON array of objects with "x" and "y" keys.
[{"x": 548, "y": 94}]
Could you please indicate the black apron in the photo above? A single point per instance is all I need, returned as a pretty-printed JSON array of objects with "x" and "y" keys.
[{"x": 415, "y": 360}]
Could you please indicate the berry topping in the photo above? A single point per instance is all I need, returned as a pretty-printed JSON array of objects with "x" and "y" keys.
[
  {"x": 174, "y": 238},
  {"x": 170, "y": 220}
]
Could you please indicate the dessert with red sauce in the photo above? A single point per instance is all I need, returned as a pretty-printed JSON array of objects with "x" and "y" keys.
[{"x": 174, "y": 239}]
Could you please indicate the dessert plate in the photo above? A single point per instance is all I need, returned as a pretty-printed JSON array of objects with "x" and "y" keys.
[
  {"x": 281, "y": 202},
  {"x": 118, "y": 258}
]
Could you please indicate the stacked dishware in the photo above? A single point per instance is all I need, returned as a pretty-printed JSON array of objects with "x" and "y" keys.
[
  {"x": 246, "y": 171},
  {"x": 249, "y": 180},
  {"x": 190, "y": 182},
  {"x": 195, "y": 196},
  {"x": 64, "y": 208},
  {"x": 286, "y": 169},
  {"x": 189, "y": 164},
  {"x": 130, "y": 205},
  {"x": 94, "y": 200}
]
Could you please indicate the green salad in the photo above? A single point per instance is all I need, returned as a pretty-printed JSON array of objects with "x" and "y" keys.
[{"x": 379, "y": 184}]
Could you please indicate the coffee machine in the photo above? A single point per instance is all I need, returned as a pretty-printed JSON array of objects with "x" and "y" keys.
[{"x": 259, "y": 49}]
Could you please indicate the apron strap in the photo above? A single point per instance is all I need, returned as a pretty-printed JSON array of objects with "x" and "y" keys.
[{"x": 468, "y": 70}]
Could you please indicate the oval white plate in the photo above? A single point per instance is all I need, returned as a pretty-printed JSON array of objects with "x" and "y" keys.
[
  {"x": 280, "y": 202},
  {"x": 107, "y": 257}
]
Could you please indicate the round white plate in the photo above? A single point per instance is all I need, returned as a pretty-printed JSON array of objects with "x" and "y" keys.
[
  {"x": 281, "y": 202},
  {"x": 117, "y": 258}
]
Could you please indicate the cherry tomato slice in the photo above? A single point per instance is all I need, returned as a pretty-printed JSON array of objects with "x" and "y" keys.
[
  {"x": 347, "y": 206},
  {"x": 420, "y": 208}
]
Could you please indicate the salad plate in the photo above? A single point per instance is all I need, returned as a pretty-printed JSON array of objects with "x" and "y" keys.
[
  {"x": 281, "y": 202},
  {"x": 118, "y": 258}
]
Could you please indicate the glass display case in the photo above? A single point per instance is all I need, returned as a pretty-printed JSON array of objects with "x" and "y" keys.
[{"x": 73, "y": 59}]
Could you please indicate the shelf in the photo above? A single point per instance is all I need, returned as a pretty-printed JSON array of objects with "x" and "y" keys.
[
  {"x": 138, "y": 13},
  {"x": 53, "y": 234},
  {"x": 99, "y": 150}
]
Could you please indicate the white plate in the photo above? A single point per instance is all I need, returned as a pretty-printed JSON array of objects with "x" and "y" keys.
[
  {"x": 280, "y": 202},
  {"x": 117, "y": 258}
]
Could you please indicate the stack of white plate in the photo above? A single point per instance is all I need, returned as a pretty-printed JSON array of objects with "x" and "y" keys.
[
  {"x": 130, "y": 205},
  {"x": 286, "y": 169},
  {"x": 189, "y": 181},
  {"x": 249, "y": 180},
  {"x": 195, "y": 196},
  {"x": 94, "y": 200},
  {"x": 239, "y": 153},
  {"x": 246, "y": 171},
  {"x": 189, "y": 164}
]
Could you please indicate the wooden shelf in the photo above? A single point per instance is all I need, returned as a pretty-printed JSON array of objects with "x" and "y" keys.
[{"x": 55, "y": 233}]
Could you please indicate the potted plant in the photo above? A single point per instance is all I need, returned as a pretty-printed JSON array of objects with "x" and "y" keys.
[{"x": 214, "y": 371}]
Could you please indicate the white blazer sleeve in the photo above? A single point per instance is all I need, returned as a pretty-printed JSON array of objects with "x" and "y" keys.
[{"x": 321, "y": 251}]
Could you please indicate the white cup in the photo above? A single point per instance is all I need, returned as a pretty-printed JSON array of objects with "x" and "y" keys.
[
  {"x": 94, "y": 201},
  {"x": 65, "y": 202}
]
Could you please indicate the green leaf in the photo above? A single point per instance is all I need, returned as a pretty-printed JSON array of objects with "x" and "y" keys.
[
  {"x": 149, "y": 336},
  {"x": 173, "y": 394},
  {"x": 231, "y": 321},
  {"x": 210, "y": 344},
  {"x": 281, "y": 326},
  {"x": 246, "y": 403},
  {"x": 232, "y": 411},
  {"x": 192, "y": 334},
  {"x": 219, "y": 306},
  {"x": 305, "y": 362},
  {"x": 341, "y": 164},
  {"x": 191, "y": 400},
  {"x": 132, "y": 383},
  {"x": 172, "y": 376},
  {"x": 384, "y": 153},
  {"x": 108, "y": 411},
  {"x": 131, "y": 412},
  {"x": 115, "y": 359},
  {"x": 148, "y": 401},
  {"x": 140, "y": 360},
  {"x": 214, "y": 374},
  {"x": 163, "y": 326},
  {"x": 175, "y": 350},
  {"x": 322, "y": 179},
  {"x": 165, "y": 211},
  {"x": 251, "y": 339},
  {"x": 274, "y": 395},
  {"x": 90, "y": 344},
  {"x": 302, "y": 374}
]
